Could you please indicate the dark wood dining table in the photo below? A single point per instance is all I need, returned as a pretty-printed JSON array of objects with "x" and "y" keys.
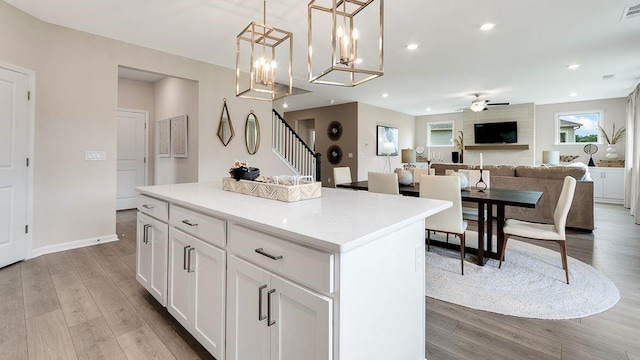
[{"x": 485, "y": 200}]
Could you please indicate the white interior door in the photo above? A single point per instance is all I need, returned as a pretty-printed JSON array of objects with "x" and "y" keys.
[
  {"x": 132, "y": 135},
  {"x": 13, "y": 167}
]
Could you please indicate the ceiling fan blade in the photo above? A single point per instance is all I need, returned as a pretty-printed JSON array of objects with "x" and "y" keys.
[{"x": 498, "y": 104}]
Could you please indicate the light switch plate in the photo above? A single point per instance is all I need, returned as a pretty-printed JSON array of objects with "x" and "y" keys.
[{"x": 95, "y": 155}]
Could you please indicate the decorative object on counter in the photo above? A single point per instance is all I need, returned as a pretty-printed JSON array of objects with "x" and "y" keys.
[
  {"x": 481, "y": 186},
  {"x": 252, "y": 133},
  {"x": 225, "y": 127},
  {"x": 459, "y": 143},
  {"x": 261, "y": 44},
  {"x": 303, "y": 188},
  {"x": 405, "y": 176},
  {"x": 334, "y": 154},
  {"x": 616, "y": 136},
  {"x": 164, "y": 138},
  {"x": 241, "y": 170},
  {"x": 551, "y": 157},
  {"x": 591, "y": 149},
  {"x": 611, "y": 163},
  {"x": 419, "y": 152},
  {"x": 455, "y": 157},
  {"x": 334, "y": 130},
  {"x": 568, "y": 158},
  {"x": 179, "y": 136}
]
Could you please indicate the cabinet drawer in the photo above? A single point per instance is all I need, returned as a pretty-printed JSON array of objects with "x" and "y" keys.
[
  {"x": 153, "y": 207},
  {"x": 307, "y": 266},
  {"x": 202, "y": 226}
]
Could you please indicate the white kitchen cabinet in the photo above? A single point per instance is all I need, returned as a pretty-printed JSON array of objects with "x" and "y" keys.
[
  {"x": 608, "y": 184},
  {"x": 196, "y": 295},
  {"x": 272, "y": 318},
  {"x": 151, "y": 256}
]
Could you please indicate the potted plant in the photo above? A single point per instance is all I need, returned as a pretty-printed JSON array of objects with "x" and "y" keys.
[
  {"x": 459, "y": 143},
  {"x": 616, "y": 136}
]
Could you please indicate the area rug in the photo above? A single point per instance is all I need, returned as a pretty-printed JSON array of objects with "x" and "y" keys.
[{"x": 531, "y": 283}]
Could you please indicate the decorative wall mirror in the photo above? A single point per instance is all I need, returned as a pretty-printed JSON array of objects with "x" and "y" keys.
[
  {"x": 252, "y": 133},
  {"x": 225, "y": 128}
]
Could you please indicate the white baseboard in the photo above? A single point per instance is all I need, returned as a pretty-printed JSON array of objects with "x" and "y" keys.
[{"x": 72, "y": 245}]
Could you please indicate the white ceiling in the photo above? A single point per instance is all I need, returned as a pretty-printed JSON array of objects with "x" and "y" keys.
[{"x": 522, "y": 60}]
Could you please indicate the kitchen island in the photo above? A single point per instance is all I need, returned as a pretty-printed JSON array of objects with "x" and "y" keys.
[{"x": 337, "y": 277}]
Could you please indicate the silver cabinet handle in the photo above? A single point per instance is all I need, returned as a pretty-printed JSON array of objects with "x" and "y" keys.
[
  {"x": 269, "y": 321},
  {"x": 260, "y": 315},
  {"x": 184, "y": 257},
  {"x": 145, "y": 233},
  {"x": 189, "y": 269},
  {"x": 148, "y": 207},
  {"x": 273, "y": 257},
  {"x": 189, "y": 223}
]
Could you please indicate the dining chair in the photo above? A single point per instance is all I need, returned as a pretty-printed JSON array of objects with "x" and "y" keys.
[
  {"x": 341, "y": 175},
  {"x": 383, "y": 183},
  {"x": 473, "y": 176},
  {"x": 417, "y": 172},
  {"x": 546, "y": 232},
  {"x": 450, "y": 220}
]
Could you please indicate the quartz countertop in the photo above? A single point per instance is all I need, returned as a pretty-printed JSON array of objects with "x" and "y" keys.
[{"x": 339, "y": 221}]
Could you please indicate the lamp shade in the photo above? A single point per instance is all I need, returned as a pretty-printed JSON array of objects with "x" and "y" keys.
[
  {"x": 408, "y": 156},
  {"x": 551, "y": 157}
]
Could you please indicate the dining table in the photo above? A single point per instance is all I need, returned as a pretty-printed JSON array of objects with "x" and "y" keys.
[{"x": 486, "y": 200}]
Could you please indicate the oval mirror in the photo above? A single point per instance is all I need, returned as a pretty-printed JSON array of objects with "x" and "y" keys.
[
  {"x": 252, "y": 133},
  {"x": 225, "y": 128}
]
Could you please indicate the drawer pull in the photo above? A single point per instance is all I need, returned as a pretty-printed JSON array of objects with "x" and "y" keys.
[
  {"x": 145, "y": 232},
  {"x": 269, "y": 321},
  {"x": 189, "y": 223},
  {"x": 260, "y": 315},
  {"x": 273, "y": 257},
  {"x": 184, "y": 257},
  {"x": 148, "y": 207}
]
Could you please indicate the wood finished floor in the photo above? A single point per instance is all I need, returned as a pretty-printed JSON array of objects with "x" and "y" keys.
[{"x": 86, "y": 304}]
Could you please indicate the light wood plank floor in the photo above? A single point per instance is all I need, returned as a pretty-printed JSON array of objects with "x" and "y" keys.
[{"x": 86, "y": 304}]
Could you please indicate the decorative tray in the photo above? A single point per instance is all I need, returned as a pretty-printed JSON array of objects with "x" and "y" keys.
[{"x": 287, "y": 193}]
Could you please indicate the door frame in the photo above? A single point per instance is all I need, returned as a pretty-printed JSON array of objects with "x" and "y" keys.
[
  {"x": 146, "y": 141},
  {"x": 31, "y": 109}
]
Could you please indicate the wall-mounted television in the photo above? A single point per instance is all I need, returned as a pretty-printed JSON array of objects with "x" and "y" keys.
[{"x": 496, "y": 133}]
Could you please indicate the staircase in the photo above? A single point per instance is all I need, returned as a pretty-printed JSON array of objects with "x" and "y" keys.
[{"x": 293, "y": 151}]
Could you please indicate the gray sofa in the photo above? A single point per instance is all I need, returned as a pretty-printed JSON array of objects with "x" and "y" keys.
[{"x": 548, "y": 180}]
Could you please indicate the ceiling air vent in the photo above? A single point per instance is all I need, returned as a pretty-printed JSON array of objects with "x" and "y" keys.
[
  {"x": 607, "y": 77},
  {"x": 631, "y": 12}
]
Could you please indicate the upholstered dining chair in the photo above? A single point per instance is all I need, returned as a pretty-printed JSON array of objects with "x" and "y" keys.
[
  {"x": 383, "y": 183},
  {"x": 341, "y": 175},
  {"x": 417, "y": 172},
  {"x": 450, "y": 220},
  {"x": 546, "y": 232},
  {"x": 473, "y": 176}
]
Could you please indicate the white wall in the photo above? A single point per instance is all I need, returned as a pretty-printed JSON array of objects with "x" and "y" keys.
[
  {"x": 138, "y": 95},
  {"x": 76, "y": 101},
  {"x": 175, "y": 97},
  {"x": 368, "y": 117},
  {"x": 615, "y": 111}
]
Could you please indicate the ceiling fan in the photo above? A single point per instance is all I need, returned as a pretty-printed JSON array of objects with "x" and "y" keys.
[{"x": 478, "y": 105}]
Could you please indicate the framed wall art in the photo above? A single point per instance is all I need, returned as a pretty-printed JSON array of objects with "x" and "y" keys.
[
  {"x": 164, "y": 138},
  {"x": 387, "y": 141},
  {"x": 179, "y": 137}
]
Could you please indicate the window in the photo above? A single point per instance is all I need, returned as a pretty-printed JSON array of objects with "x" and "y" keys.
[
  {"x": 440, "y": 134},
  {"x": 578, "y": 127}
]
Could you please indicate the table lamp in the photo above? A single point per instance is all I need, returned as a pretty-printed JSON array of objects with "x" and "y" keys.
[
  {"x": 551, "y": 157},
  {"x": 408, "y": 157}
]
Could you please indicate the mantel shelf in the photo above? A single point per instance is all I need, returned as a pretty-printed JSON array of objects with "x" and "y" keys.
[{"x": 498, "y": 147}]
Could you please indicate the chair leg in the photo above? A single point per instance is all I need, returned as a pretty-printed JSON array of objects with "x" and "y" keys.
[
  {"x": 504, "y": 248},
  {"x": 563, "y": 253},
  {"x": 462, "y": 245}
]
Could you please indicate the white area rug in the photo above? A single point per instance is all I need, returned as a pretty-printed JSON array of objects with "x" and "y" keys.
[{"x": 530, "y": 284}]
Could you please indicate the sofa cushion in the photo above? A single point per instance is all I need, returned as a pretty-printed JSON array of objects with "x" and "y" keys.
[
  {"x": 550, "y": 172},
  {"x": 501, "y": 170}
]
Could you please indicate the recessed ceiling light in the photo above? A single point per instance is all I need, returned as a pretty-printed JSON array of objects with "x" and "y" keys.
[
  {"x": 385, "y": 95},
  {"x": 285, "y": 105},
  {"x": 412, "y": 46},
  {"x": 487, "y": 26},
  {"x": 428, "y": 109},
  {"x": 573, "y": 66},
  {"x": 573, "y": 94}
]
